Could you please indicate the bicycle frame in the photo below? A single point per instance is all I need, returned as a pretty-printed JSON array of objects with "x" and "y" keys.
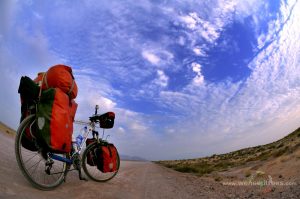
[{"x": 59, "y": 158}]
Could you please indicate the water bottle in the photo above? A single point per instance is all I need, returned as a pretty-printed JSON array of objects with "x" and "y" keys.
[
  {"x": 79, "y": 139},
  {"x": 76, "y": 142},
  {"x": 74, "y": 145}
]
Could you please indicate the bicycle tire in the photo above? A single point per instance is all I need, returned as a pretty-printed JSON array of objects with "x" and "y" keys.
[
  {"x": 22, "y": 160},
  {"x": 92, "y": 172}
]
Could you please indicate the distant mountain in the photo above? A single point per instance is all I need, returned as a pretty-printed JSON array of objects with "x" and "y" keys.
[{"x": 132, "y": 158}]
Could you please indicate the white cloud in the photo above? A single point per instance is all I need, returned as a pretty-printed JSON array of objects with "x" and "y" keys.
[
  {"x": 158, "y": 57},
  {"x": 190, "y": 21},
  {"x": 196, "y": 67},
  {"x": 209, "y": 31},
  {"x": 92, "y": 92},
  {"x": 198, "y": 51},
  {"x": 151, "y": 89},
  {"x": 152, "y": 58},
  {"x": 199, "y": 79},
  {"x": 162, "y": 79},
  {"x": 248, "y": 7}
]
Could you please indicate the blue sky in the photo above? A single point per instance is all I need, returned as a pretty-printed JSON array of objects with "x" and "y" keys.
[{"x": 185, "y": 78}]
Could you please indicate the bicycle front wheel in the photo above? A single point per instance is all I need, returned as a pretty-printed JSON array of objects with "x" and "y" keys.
[
  {"x": 41, "y": 171},
  {"x": 92, "y": 171}
]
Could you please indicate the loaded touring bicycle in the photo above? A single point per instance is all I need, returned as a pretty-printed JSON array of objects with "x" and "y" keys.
[{"x": 44, "y": 148}]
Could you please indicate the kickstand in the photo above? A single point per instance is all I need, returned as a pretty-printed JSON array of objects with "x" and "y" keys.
[
  {"x": 66, "y": 172},
  {"x": 77, "y": 165},
  {"x": 80, "y": 176}
]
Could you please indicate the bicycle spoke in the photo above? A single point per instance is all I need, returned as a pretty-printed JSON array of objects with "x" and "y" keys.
[
  {"x": 30, "y": 158},
  {"x": 44, "y": 179},
  {"x": 52, "y": 177},
  {"x": 34, "y": 164},
  {"x": 54, "y": 169},
  {"x": 36, "y": 168}
]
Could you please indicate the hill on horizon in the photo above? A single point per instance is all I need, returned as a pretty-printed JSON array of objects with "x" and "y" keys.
[
  {"x": 7, "y": 129},
  {"x": 283, "y": 153}
]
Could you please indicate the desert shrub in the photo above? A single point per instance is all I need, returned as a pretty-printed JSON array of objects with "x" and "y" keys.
[
  {"x": 272, "y": 146},
  {"x": 186, "y": 169},
  {"x": 280, "y": 152},
  {"x": 223, "y": 165},
  {"x": 264, "y": 155},
  {"x": 280, "y": 145},
  {"x": 168, "y": 165}
]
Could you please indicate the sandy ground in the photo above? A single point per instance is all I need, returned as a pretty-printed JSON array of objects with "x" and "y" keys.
[{"x": 134, "y": 180}]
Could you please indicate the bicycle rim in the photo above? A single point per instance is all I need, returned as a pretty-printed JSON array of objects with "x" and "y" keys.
[
  {"x": 92, "y": 172},
  {"x": 33, "y": 164}
]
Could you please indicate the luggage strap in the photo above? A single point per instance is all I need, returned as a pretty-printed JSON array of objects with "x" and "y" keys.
[
  {"x": 72, "y": 87},
  {"x": 45, "y": 78},
  {"x": 41, "y": 86},
  {"x": 46, "y": 82}
]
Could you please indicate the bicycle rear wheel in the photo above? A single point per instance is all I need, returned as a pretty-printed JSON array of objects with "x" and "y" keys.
[
  {"x": 42, "y": 172},
  {"x": 92, "y": 171}
]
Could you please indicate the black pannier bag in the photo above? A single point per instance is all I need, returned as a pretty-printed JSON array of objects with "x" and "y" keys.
[
  {"x": 107, "y": 120},
  {"x": 29, "y": 92},
  {"x": 91, "y": 157},
  {"x": 28, "y": 89}
]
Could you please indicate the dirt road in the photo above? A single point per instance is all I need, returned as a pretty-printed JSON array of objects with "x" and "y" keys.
[{"x": 134, "y": 180}]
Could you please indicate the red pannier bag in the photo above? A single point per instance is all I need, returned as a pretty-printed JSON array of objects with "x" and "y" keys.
[
  {"x": 54, "y": 120},
  {"x": 91, "y": 157},
  {"x": 59, "y": 76},
  {"x": 107, "y": 159}
]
